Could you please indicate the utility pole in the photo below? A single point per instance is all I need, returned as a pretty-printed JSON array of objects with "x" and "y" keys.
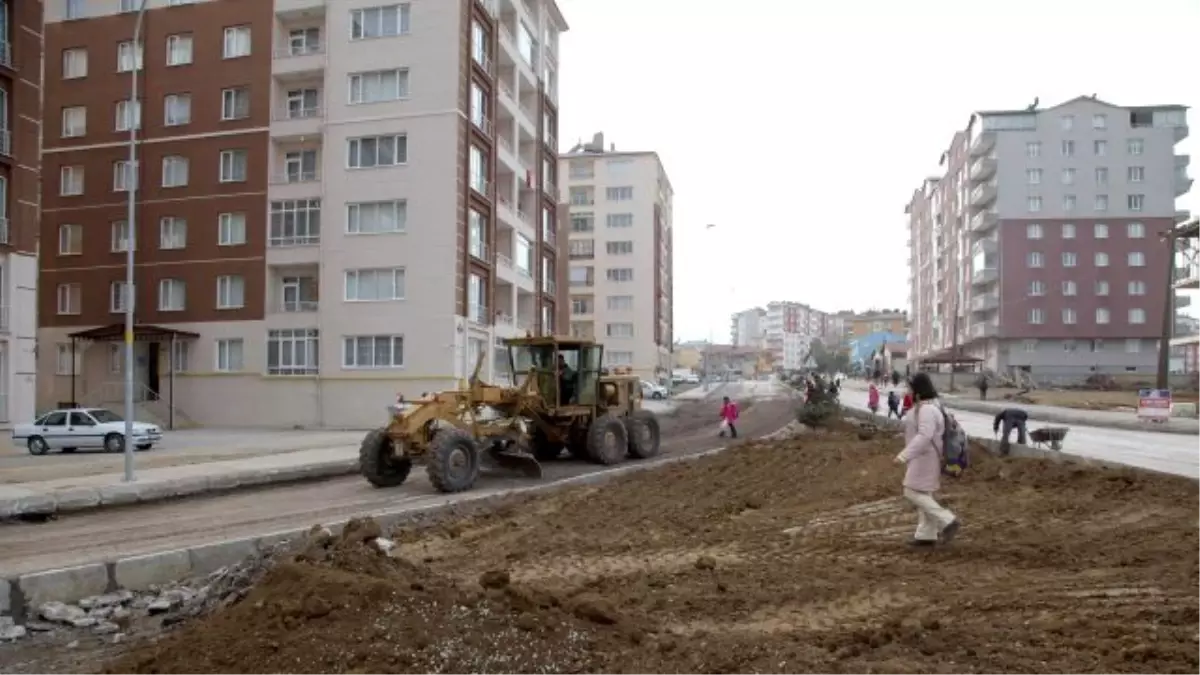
[
  {"x": 954, "y": 343},
  {"x": 1172, "y": 237}
]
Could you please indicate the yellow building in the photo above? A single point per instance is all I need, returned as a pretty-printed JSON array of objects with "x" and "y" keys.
[{"x": 862, "y": 325}]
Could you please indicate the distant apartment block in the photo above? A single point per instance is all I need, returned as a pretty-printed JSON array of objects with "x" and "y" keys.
[
  {"x": 20, "y": 163},
  {"x": 1040, "y": 239},
  {"x": 336, "y": 202},
  {"x": 620, "y": 254},
  {"x": 789, "y": 328},
  {"x": 878, "y": 321},
  {"x": 746, "y": 328}
]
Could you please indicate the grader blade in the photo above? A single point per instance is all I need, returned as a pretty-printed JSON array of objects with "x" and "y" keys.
[{"x": 513, "y": 460}]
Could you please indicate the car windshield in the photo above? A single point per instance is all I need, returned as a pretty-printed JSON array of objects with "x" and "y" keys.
[{"x": 105, "y": 416}]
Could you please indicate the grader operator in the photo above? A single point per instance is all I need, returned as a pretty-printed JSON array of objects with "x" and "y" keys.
[{"x": 562, "y": 399}]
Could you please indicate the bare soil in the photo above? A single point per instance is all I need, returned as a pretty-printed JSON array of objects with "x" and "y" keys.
[
  {"x": 1080, "y": 399},
  {"x": 787, "y": 556}
]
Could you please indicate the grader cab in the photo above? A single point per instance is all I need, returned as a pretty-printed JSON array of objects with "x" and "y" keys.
[{"x": 562, "y": 399}]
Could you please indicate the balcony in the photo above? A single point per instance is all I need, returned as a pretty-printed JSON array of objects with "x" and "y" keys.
[
  {"x": 1183, "y": 182},
  {"x": 287, "y": 8},
  {"x": 1182, "y": 215},
  {"x": 289, "y": 177},
  {"x": 984, "y": 276},
  {"x": 478, "y": 314},
  {"x": 294, "y": 123},
  {"x": 294, "y": 62},
  {"x": 985, "y": 329},
  {"x": 986, "y": 302},
  {"x": 298, "y": 306},
  {"x": 982, "y": 195},
  {"x": 990, "y": 244},
  {"x": 983, "y": 221},
  {"x": 983, "y": 169},
  {"x": 983, "y": 143}
]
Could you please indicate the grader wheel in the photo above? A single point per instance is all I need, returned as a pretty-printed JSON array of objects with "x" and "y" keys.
[
  {"x": 453, "y": 461},
  {"x": 379, "y": 464},
  {"x": 644, "y": 434},
  {"x": 543, "y": 449},
  {"x": 607, "y": 440}
]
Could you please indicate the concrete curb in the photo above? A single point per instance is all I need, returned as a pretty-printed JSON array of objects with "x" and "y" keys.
[
  {"x": 20, "y": 595},
  {"x": 1185, "y": 427},
  {"x": 140, "y": 492}
]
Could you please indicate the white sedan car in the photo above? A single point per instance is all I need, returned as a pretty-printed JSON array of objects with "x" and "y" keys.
[
  {"x": 69, "y": 429},
  {"x": 654, "y": 391}
]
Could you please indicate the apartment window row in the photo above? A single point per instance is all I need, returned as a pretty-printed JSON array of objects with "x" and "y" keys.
[
  {"x": 1132, "y": 345},
  {"x": 1036, "y": 259},
  {"x": 179, "y": 51},
  {"x": 1134, "y": 147},
  {"x": 1099, "y": 231},
  {"x": 172, "y": 234},
  {"x": 1102, "y": 288},
  {"x": 171, "y": 295},
  {"x": 619, "y": 194},
  {"x": 1100, "y": 203},
  {"x": 177, "y": 111},
  {"x": 1070, "y": 317},
  {"x": 1069, "y": 176},
  {"x": 232, "y": 167}
]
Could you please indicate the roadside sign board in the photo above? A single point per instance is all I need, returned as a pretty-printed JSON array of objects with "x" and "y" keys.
[{"x": 1154, "y": 405}]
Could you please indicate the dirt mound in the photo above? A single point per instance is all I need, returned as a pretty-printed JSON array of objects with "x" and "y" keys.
[{"x": 784, "y": 557}]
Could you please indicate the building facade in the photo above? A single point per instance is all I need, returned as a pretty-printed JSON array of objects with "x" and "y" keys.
[
  {"x": 338, "y": 202},
  {"x": 1035, "y": 248},
  {"x": 620, "y": 250},
  {"x": 746, "y": 328},
  {"x": 20, "y": 162},
  {"x": 788, "y": 329},
  {"x": 885, "y": 321}
]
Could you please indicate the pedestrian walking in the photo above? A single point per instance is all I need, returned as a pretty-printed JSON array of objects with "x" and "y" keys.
[
  {"x": 907, "y": 403},
  {"x": 873, "y": 399},
  {"x": 922, "y": 457},
  {"x": 894, "y": 406},
  {"x": 729, "y": 416},
  {"x": 982, "y": 383}
]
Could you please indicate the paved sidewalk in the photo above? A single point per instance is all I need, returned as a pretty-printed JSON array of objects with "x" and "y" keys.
[
  {"x": 1045, "y": 413},
  {"x": 699, "y": 393},
  {"x": 89, "y": 492}
]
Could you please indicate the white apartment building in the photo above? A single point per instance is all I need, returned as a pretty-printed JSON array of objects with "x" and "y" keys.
[
  {"x": 747, "y": 327},
  {"x": 620, "y": 251},
  {"x": 372, "y": 205}
]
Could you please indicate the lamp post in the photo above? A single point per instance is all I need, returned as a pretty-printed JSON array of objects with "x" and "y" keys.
[
  {"x": 131, "y": 234},
  {"x": 708, "y": 348}
]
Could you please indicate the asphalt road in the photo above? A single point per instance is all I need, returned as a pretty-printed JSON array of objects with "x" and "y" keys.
[{"x": 100, "y": 535}]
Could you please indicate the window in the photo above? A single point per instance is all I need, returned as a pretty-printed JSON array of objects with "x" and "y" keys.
[
  {"x": 619, "y": 330},
  {"x": 1137, "y": 316},
  {"x": 1069, "y": 316},
  {"x": 295, "y": 222},
  {"x": 1068, "y": 231},
  {"x": 618, "y": 358},
  {"x": 477, "y": 299},
  {"x": 1100, "y": 203},
  {"x": 1037, "y": 316},
  {"x": 1102, "y": 288},
  {"x": 479, "y": 45},
  {"x": 1068, "y": 345},
  {"x": 174, "y": 171},
  {"x": 376, "y": 217},
  {"x": 1100, "y": 148},
  {"x": 581, "y": 249},
  {"x": 619, "y": 274},
  {"x": 70, "y": 298},
  {"x": 237, "y": 42},
  {"x": 70, "y": 239},
  {"x": 1100, "y": 231},
  {"x": 618, "y": 194},
  {"x": 1137, "y": 288},
  {"x": 1034, "y": 204},
  {"x": 1101, "y": 175},
  {"x": 477, "y": 234},
  {"x": 179, "y": 50},
  {"x": 118, "y": 295},
  {"x": 1102, "y": 315},
  {"x": 1033, "y": 176},
  {"x": 172, "y": 233},
  {"x": 116, "y": 364},
  {"x": 230, "y": 355},
  {"x": 1099, "y": 122},
  {"x": 1030, "y": 345},
  {"x": 1068, "y": 203},
  {"x": 1069, "y": 289},
  {"x": 74, "y": 10},
  {"x": 1067, "y": 122},
  {"x": 1135, "y": 146},
  {"x": 231, "y": 229},
  {"x": 303, "y": 41},
  {"x": 1068, "y": 176},
  {"x": 1035, "y": 259},
  {"x": 177, "y": 109},
  {"x": 300, "y": 166},
  {"x": 373, "y": 151},
  {"x": 620, "y": 303},
  {"x": 1135, "y": 231},
  {"x": 293, "y": 352},
  {"x": 1033, "y": 149},
  {"x": 479, "y": 108},
  {"x": 128, "y": 58},
  {"x": 119, "y": 230},
  {"x": 303, "y": 103},
  {"x": 235, "y": 104},
  {"x": 619, "y": 247},
  {"x": 1137, "y": 259},
  {"x": 581, "y": 196},
  {"x": 233, "y": 166},
  {"x": 1133, "y": 345},
  {"x": 382, "y": 21},
  {"x": 172, "y": 294},
  {"x": 231, "y": 292},
  {"x": 128, "y": 113},
  {"x": 1101, "y": 259},
  {"x": 619, "y": 220},
  {"x": 1068, "y": 148},
  {"x": 1137, "y": 174},
  {"x": 477, "y": 170},
  {"x": 1137, "y": 203},
  {"x": 583, "y": 222},
  {"x": 1037, "y": 288},
  {"x": 379, "y": 85},
  {"x": 373, "y": 351},
  {"x": 74, "y": 122},
  {"x": 373, "y": 285},
  {"x": 582, "y": 305},
  {"x": 524, "y": 255},
  {"x": 1070, "y": 259},
  {"x": 70, "y": 181},
  {"x": 74, "y": 63}
]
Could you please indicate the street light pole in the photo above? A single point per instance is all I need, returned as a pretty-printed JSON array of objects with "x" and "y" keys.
[
  {"x": 131, "y": 185},
  {"x": 708, "y": 347}
]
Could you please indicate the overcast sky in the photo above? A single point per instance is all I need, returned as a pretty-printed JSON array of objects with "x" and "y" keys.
[{"x": 800, "y": 131}]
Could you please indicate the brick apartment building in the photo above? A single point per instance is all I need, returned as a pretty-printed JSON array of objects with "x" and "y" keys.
[{"x": 1040, "y": 238}]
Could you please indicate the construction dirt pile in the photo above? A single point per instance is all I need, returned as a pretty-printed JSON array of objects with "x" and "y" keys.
[{"x": 786, "y": 556}]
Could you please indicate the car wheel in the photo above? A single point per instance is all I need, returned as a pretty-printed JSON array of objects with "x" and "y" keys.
[
  {"x": 114, "y": 443},
  {"x": 657, "y": 396},
  {"x": 37, "y": 445}
]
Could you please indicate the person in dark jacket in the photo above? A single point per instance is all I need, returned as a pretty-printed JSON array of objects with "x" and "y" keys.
[
  {"x": 894, "y": 405},
  {"x": 1010, "y": 418}
]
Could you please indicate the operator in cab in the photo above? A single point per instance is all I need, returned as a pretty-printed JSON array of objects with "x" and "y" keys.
[{"x": 566, "y": 381}]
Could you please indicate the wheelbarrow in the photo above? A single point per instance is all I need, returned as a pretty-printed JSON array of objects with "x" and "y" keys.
[{"x": 1051, "y": 436}]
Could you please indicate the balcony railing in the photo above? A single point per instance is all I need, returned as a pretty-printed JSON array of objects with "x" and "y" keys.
[
  {"x": 504, "y": 261},
  {"x": 285, "y": 114},
  {"x": 295, "y": 177},
  {"x": 525, "y": 217},
  {"x": 506, "y": 90},
  {"x": 293, "y": 51},
  {"x": 296, "y": 306},
  {"x": 478, "y": 314},
  {"x": 286, "y": 240}
]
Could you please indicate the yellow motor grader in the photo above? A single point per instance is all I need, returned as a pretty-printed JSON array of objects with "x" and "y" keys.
[{"x": 563, "y": 400}]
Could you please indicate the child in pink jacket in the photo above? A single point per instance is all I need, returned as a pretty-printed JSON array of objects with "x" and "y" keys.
[
  {"x": 729, "y": 415},
  {"x": 922, "y": 457}
]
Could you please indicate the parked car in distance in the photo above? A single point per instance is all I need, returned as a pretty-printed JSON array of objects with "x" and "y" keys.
[
  {"x": 73, "y": 428},
  {"x": 654, "y": 391}
]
